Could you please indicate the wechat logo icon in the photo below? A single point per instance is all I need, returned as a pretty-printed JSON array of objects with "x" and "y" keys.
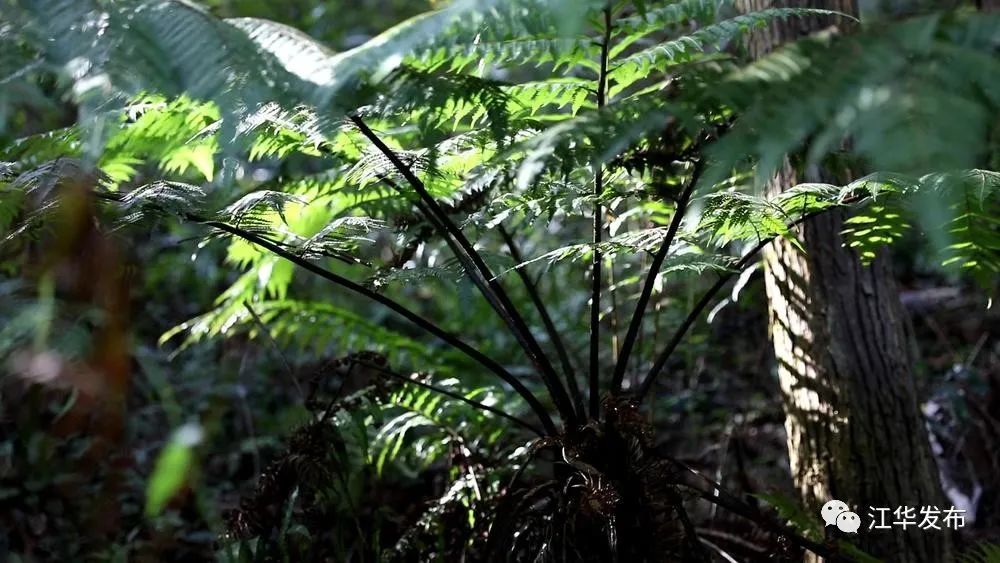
[{"x": 836, "y": 513}]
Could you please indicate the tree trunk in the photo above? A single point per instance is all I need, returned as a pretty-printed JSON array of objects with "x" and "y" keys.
[{"x": 855, "y": 430}]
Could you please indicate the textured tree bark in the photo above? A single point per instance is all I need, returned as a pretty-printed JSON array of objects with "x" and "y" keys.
[{"x": 855, "y": 430}]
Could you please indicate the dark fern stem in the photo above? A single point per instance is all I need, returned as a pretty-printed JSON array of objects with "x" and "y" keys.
[
  {"x": 480, "y": 274},
  {"x": 416, "y": 319},
  {"x": 466, "y": 205},
  {"x": 595, "y": 291},
  {"x": 550, "y": 327},
  {"x": 699, "y": 307},
  {"x": 635, "y": 324}
]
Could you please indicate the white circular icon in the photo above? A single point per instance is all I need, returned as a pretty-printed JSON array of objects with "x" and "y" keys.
[
  {"x": 848, "y": 522},
  {"x": 831, "y": 510}
]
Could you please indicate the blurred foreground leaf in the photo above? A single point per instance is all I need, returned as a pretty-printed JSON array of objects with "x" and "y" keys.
[{"x": 173, "y": 466}]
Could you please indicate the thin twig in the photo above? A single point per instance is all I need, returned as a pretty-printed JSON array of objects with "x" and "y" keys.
[
  {"x": 277, "y": 349},
  {"x": 241, "y": 392},
  {"x": 550, "y": 327},
  {"x": 615, "y": 320},
  {"x": 479, "y": 273},
  {"x": 731, "y": 538},
  {"x": 722, "y": 553},
  {"x": 714, "y": 493},
  {"x": 739, "y": 508}
]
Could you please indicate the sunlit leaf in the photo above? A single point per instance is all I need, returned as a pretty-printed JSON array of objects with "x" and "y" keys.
[{"x": 173, "y": 468}]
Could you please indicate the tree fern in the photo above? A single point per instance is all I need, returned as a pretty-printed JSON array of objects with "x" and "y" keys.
[
  {"x": 413, "y": 156},
  {"x": 475, "y": 130}
]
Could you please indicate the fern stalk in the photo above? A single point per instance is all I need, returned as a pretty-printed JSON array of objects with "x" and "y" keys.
[
  {"x": 654, "y": 269},
  {"x": 534, "y": 404},
  {"x": 550, "y": 327},
  {"x": 416, "y": 319},
  {"x": 699, "y": 307},
  {"x": 277, "y": 349},
  {"x": 595, "y": 291},
  {"x": 480, "y": 274}
]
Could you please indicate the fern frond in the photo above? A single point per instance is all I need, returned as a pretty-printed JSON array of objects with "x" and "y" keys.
[
  {"x": 516, "y": 33},
  {"x": 592, "y": 138},
  {"x": 373, "y": 167},
  {"x": 683, "y": 257},
  {"x": 655, "y": 19},
  {"x": 975, "y": 229},
  {"x": 40, "y": 183},
  {"x": 177, "y": 135},
  {"x": 446, "y": 101},
  {"x": 959, "y": 210},
  {"x": 730, "y": 216},
  {"x": 427, "y": 426},
  {"x": 259, "y": 206},
  {"x": 319, "y": 328},
  {"x": 421, "y": 38},
  {"x": 34, "y": 150},
  {"x": 278, "y": 132},
  {"x": 160, "y": 199},
  {"x": 628, "y": 70},
  {"x": 299, "y": 54},
  {"x": 529, "y": 98},
  {"x": 559, "y": 52},
  {"x": 411, "y": 276},
  {"x": 340, "y": 238},
  {"x": 171, "y": 47},
  {"x": 913, "y": 97},
  {"x": 29, "y": 198},
  {"x": 982, "y": 553}
]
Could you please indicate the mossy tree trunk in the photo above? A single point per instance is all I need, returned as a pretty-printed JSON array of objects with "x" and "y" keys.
[{"x": 855, "y": 430}]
